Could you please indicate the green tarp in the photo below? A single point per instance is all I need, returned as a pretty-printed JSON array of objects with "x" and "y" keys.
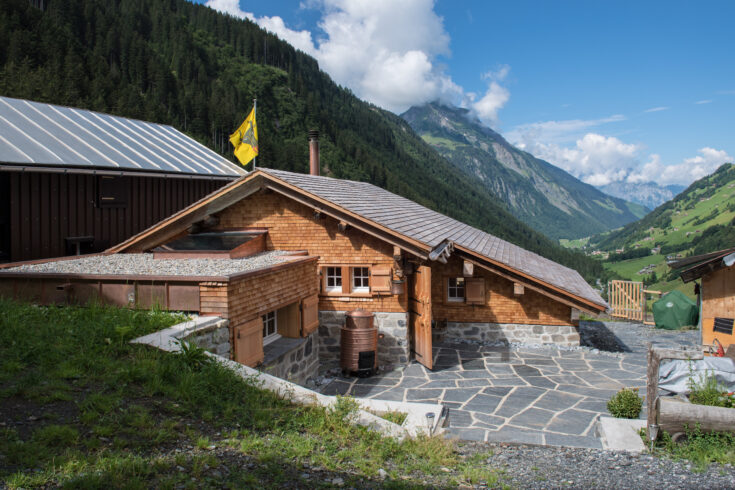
[{"x": 674, "y": 311}]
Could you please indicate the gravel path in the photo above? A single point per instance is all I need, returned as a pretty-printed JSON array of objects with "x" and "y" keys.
[
  {"x": 554, "y": 467},
  {"x": 144, "y": 263}
]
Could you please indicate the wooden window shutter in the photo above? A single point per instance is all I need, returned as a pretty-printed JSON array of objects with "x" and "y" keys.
[
  {"x": 309, "y": 315},
  {"x": 475, "y": 290},
  {"x": 249, "y": 343},
  {"x": 346, "y": 280},
  {"x": 380, "y": 278}
]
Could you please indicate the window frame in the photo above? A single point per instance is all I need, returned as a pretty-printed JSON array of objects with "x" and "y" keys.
[
  {"x": 363, "y": 278},
  {"x": 268, "y": 338},
  {"x": 454, "y": 298},
  {"x": 335, "y": 288}
]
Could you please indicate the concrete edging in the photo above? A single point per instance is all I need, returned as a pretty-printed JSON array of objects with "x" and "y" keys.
[
  {"x": 414, "y": 425},
  {"x": 621, "y": 434}
]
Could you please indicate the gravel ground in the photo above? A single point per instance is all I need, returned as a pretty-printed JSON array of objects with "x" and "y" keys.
[
  {"x": 554, "y": 467},
  {"x": 144, "y": 263}
]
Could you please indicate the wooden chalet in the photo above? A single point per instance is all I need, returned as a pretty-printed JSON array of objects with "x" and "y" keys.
[
  {"x": 74, "y": 181},
  {"x": 716, "y": 274},
  {"x": 420, "y": 272}
]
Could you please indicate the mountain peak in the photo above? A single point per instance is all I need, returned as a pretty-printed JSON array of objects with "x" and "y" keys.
[{"x": 540, "y": 194}]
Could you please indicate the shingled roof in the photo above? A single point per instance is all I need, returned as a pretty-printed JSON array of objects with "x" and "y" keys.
[
  {"x": 419, "y": 223},
  {"x": 378, "y": 209}
]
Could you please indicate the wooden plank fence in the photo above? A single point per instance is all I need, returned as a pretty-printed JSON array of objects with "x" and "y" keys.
[{"x": 628, "y": 300}]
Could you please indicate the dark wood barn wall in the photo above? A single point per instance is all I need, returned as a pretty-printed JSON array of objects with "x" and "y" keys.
[{"x": 46, "y": 208}]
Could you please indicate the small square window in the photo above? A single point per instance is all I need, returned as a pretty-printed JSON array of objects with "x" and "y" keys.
[
  {"x": 270, "y": 328},
  {"x": 361, "y": 279},
  {"x": 455, "y": 289},
  {"x": 334, "y": 279}
]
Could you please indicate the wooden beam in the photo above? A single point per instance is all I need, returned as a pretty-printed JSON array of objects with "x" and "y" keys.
[
  {"x": 655, "y": 356},
  {"x": 468, "y": 268},
  {"x": 518, "y": 289}
]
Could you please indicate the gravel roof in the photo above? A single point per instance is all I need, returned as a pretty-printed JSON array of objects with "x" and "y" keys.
[{"x": 134, "y": 264}]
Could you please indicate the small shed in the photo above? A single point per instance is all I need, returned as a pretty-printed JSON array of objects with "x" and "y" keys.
[
  {"x": 74, "y": 181},
  {"x": 716, "y": 274}
]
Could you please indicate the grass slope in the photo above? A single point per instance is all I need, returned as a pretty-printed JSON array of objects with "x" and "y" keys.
[
  {"x": 81, "y": 407},
  {"x": 699, "y": 220}
]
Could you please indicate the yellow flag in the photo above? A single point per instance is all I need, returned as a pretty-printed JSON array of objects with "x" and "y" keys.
[{"x": 245, "y": 139}]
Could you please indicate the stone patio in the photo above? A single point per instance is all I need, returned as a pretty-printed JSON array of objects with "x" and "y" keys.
[{"x": 532, "y": 395}]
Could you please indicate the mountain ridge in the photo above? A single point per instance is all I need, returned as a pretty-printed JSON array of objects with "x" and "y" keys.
[
  {"x": 538, "y": 193},
  {"x": 648, "y": 194},
  {"x": 700, "y": 219}
]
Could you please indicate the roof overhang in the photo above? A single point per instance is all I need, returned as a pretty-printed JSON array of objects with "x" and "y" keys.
[
  {"x": 553, "y": 292},
  {"x": 56, "y": 169},
  {"x": 705, "y": 264}
]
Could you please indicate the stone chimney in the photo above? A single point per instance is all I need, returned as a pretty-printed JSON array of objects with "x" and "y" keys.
[{"x": 313, "y": 152}]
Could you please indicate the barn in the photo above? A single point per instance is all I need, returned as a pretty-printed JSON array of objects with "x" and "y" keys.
[{"x": 74, "y": 181}]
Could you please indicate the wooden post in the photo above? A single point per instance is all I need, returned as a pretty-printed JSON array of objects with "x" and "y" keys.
[{"x": 655, "y": 356}]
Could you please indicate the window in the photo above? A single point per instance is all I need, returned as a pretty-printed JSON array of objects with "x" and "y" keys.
[
  {"x": 112, "y": 192},
  {"x": 455, "y": 289},
  {"x": 270, "y": 328},
  {"x": 360, "y": 279},
  {"x": 334, "y": 279}
]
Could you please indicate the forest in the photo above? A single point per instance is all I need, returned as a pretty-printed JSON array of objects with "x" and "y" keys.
[{"x": 183, "y": 64}]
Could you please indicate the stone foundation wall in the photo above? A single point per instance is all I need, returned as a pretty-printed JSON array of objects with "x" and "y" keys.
[
  {"x": 213, "y": 337},
  {"x": 392, "y": 347},
  {"x": 297, "y": 365},
  {"x": 562, "y": 335}
]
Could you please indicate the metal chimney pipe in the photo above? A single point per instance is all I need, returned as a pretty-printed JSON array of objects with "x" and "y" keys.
[{"x": 313, "y": 152}]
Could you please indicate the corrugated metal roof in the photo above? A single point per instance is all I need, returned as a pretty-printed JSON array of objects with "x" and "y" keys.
[
  {"x": 32, "y": 133},
  {"x": 419, "y": 223}
]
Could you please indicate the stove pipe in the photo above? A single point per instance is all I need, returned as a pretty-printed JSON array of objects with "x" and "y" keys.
[{"x": 313, "y": 152}]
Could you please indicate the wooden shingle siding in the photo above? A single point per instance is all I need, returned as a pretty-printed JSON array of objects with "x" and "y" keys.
[
  {"x": 292, "y": 226},
  {"x": 252, "y": 297},
  {"x": 718, "y": 294},
  {"x": 501, "y": 305}
]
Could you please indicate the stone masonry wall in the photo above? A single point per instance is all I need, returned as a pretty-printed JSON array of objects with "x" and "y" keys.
[
  {"x": 214, "y": 337},
  {"x": 392, "y": 347},
  {"x": 298, "y": 364},
  {"x": 561, "y": 335}
]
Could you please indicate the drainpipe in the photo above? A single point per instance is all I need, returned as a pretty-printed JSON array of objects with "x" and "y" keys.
[{"x": 313, "y": 152}]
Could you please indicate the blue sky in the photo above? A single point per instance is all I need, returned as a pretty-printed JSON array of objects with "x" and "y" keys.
[{"x": 609, "y": 91}]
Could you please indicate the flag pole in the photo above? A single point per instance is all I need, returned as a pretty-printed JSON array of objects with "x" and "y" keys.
[{"x": 255, "y": 118}]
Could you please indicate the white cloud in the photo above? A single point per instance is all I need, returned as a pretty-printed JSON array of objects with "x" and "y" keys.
[
  {"x": 689, "y": 170},
  {"x": 705, "y": 101},
  {"x": 565, "y": 131},
  {"x": 594, "y": 159},
  {"x": 298, "y": 39},
  {"x": 367, "y": 47},
  {"x": 657, "y": 109},
  {"x": 486, "y": 108}
]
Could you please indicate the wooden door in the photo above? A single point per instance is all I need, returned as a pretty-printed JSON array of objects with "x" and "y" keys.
[
  {"x": 249, "y": 343},
  {"x": 419, "y": 313}
]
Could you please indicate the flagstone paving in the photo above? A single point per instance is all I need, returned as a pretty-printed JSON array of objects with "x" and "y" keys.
[{"x": 544, "y": 395}]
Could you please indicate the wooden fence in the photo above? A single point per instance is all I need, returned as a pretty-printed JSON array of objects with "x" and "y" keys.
[{"x": 629, "y": 300}]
